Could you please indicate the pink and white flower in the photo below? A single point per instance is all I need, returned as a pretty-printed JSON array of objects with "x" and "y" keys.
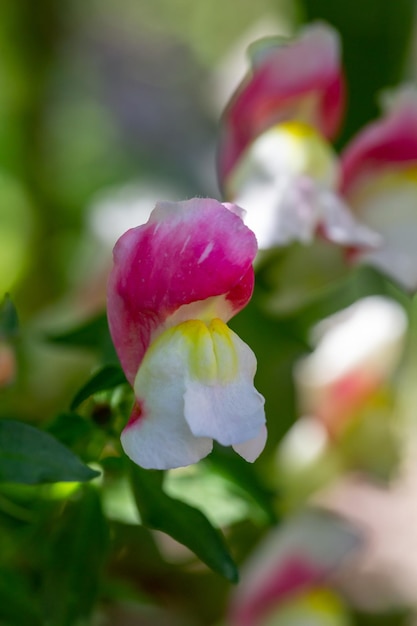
[
  {"x": 290, "y": 80},
  {"x": 176, "y": 281},
  {"x": 357, "y": 352},
  {"x": 274, "y": 157},
  {"x": 349, "y": 403},
  {"x": 379, "y": 182},
  {"x": 283, "y": 581}
]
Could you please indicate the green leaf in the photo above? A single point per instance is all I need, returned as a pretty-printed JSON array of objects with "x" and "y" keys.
[
  {"x": 108, "y": 377},
  {"x": 9, "y": 322},
  {"x": 31, "y": 456},
  {"x": 92, "y": 335},
  {"x": 181, "y": 521},
  {"x": 243, "y": 475},
  {"x": 78, "y": 545},
  {"x": 71, "y": 428}
]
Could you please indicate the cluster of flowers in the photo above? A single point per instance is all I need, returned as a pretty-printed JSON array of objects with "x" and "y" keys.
[{"x": 180, "y": 277}]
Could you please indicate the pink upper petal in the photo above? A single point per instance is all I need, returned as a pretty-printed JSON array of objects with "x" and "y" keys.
[
  {"x": 290, "y": 577},
  {"x": 388, "y": 142},
  {"x": 186, "y": 253},
  {"x": 292, "y": 558},
  {"x": 284, "y": 77}
]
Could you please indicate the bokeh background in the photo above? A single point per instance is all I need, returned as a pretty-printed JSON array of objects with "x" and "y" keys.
[{"x": 106, "y": 107}]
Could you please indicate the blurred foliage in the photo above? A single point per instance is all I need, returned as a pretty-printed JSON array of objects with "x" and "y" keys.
[{"x": 94, "y": 96}]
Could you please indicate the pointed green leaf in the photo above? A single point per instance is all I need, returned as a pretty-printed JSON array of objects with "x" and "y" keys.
[
  {"x": 108, "y": 377},
  {"x": 31, "y": 456},
  {"x": 71, "y": 428},
  {"x": 181, "y": 521}
]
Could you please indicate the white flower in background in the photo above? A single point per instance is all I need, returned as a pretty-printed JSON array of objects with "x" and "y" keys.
[
  {"x": 282, "y": 581},
  {"x": 379, "y": 183},
  {"x": 351, "y": 418},
  {"x": 357, "y": 350}
]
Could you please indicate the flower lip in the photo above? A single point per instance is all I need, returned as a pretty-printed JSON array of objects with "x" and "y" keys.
[
  {"x": 195, "y": 384},
  {"x": 286, "y": 180},
  {"x": 196, "y": 253}
]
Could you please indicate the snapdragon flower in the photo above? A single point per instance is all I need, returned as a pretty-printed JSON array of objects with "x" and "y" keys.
[
  {"x": 357, "y": 352},
  {"x": 175, "y": 283},
  {"x": 379, "y": 182},
  {"x": 284, "y": 580},
  {"x": 351, "y": 416},
  {"x": 274, "y": 156}
]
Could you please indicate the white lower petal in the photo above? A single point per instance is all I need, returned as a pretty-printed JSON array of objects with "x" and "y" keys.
[
  {"x": 251, "y": 449},
  {"x": 161, "y": 438},
  {"x": 389, "y": 206},
  {"x": 285, "y": 181},
  {"x": 339, "y": 224},
  {"x": 280, "y": 211},
  {"x": 194, "y": 385},
  {"x": 226, "y": 408},
  {"x": 275, "y": 183}
]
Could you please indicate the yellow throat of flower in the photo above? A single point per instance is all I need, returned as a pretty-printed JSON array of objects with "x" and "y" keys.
[
  {"x": 307, "y": 151},
  {"x": 209, "y": 349},
  {"x": 289, "y": 149}
]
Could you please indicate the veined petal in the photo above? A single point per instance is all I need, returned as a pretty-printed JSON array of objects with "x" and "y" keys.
[
  {"x": 225, "y": 406},
  {"x": 292, "y": 558},
  {"x": 160, "y": 438},
  {"x": 301, "y": 81},
  {"x": 195, "y": 384},
  {"x": 195, "y": 254}
]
